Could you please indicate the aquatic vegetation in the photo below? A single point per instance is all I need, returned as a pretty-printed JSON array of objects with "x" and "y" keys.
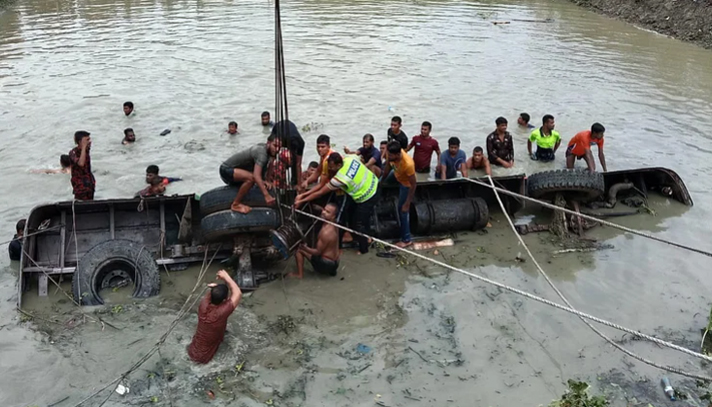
[{"x": 577, "y": 396}]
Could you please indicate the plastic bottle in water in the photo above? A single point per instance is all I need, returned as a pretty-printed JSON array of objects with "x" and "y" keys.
[{"x": 668, "y": 388}]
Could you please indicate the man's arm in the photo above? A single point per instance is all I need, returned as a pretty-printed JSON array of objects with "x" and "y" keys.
[
  {"x": 313, "y": 194},
  {"x": 235, "y": 292},
  {"x": 83, "y": 156},
  {"x": 437, "y": 151},
  {"x": 348, "y": 151},
  {"x": 529, "y": 147},
  {"x": 371, "y": 161},
  {"x": 602, "y": 158},
  {"x": 257, "y": 173},
  {"x": 463, "y": 170},
  {"x": 443, "y": 171},
  {"x": 386, "y": 171},
  {"x": 411, "y": 193},
  {"x": 488, "y": 169},
  {"x": 411, "y": 145},
  {"x": 556, "y": 147}
]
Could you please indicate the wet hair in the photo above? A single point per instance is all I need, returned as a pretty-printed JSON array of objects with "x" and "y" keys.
[
  {"x": 272, "y": 137},
  {"x": 335, "y": 158},
  {"x": 394, "y": 147},
  {"x": 313, "y": 164},
  {"x": 323, "y": 139},
  {"x": 597, "y": 128},
  {"x": 152, "y": 169},
  {"x": 478, "y": 149},
  {"x": 384, "y": 142},
  {"x": 500, "y": 120},
  {"x": 126, "y": 131},
  {"x": 156, "y": 181},
  {"x": 428, "y": 125},
  {"x": 232, "y": 124},
  {"x": 397, "y": 119},
  {"x": 546, "y": 118},
  {"x": 332, "y": 204},
  {"x": 78, "y": 136},
  {"x": 453, "y": 141},
  {"x": 265, "y": 113},
  {"x": 129, "y": 105},
  {"x": 369, "y": 136},
  {"x": 65, "y": 161},
  {"x": 20, "y": 226},
  {"x": 525, "y": 117},
  {"x": 218, "y": 294}
]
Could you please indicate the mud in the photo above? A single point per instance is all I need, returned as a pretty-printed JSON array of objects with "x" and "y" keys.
[{"x": 687, "y": 20}]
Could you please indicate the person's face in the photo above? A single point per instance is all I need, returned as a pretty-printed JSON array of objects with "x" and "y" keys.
[
  {"x": 597, "y": 136},
  {"x": 127, "y": 110},
  {"x": 477, "y": 155},
  {"x": 502, "y": 128},
  {"x": 453, "y": 150},
  {"x": 521, "y": 121},
  {"x": 424, "y": 131},
  {"x": 265, "y": 120},
  {"x": 550, "y": 124},
  {"x": 311, "y": 171},
  {"x": 150, "y": 177},
  {"x": 232, "y": 129},
  {"x": 395, "y": 126},
  {"x": 383, "y": 150},
  {"x": 394, "y": 157},
  {"x": 322, "y": 149},
  {"x": 329, "y": 212},
  {"x": 367, "y": 143},
  {"x": 130, "y": 136},
  {"x": 333, "y": 168},
  {"x": 274, "y": 147}
]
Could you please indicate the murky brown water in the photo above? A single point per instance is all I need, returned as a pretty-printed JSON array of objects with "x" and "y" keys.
[{"x": 193, "y": 67}]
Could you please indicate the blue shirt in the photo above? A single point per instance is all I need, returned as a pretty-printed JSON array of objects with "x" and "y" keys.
[
  {"x": 372, "y": 153},
  {"x": 451, "y": 163}
]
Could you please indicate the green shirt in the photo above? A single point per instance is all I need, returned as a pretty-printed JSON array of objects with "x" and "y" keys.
[{"x": 545, "y": 141}]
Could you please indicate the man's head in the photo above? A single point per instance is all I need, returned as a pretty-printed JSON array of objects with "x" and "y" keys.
[
  {"x": 20, "y": 227},
  {"x": 383, "y": 146},
  {"x": 501, "y": 123},
  {"x": 151, "y": 173},
  {"x": 218, "y": 294},
  {"x": 394, "y": 151},
  {"x": 265, "y": 118},
  {"x": 313, "y": 166},
  {"x": 453, "y": 145},
  {"x": 323, "y": 145},
  {"x": 548, "y": 122},
  {"x": 128, "y": 108},
  {"x": 425, "y": 129},
  {"x": 523, "y": 119},
  {"x": 273, "y": 145},
  {"x": 129, "y": 135},
  {"x": 396, "y": 123},
  {"x": 80, "y": 135},
  {"x": 232, "y": 127},
  {"x": 368, "y": 141},
  {"x": 334, "y": 163},
  {"x": 478, "y": 154},
  {"x": 65, "y": 161},
  {"x": 157, "y": 186},
  {"x": 330, "y": 211},
  {"x": 597, "y": 130}
]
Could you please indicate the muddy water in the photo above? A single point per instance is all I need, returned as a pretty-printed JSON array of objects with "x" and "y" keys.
[{"x": 192, "y": 67}]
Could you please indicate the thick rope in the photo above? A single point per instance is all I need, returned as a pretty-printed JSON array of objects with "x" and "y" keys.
[
  {"x": 520, "y": 292},
  {"x": 566, "y": 301},
  {"x": 589, "y": 217}
]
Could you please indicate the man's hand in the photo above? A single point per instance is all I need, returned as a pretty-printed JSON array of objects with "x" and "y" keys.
[
  {"x": 85, "y": 143},
  {"x": 223, "y": 275},
  {"x": 533, "y": 157},
  {"x": 406, "y": 207},
  {"x": 269, "y": 199},
  {"x": 212, "y": 285},
  {"x": 268, "y": 185},
  {"x": 305, "y": 185},
  {"x": 507, "y": 164}
]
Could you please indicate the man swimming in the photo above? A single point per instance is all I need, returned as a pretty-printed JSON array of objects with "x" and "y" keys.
[
  {"x": 478, "y": 161},
  {"x": 156, "y": 188},
  {"x": 128, "y": 108},
  {"x": 129, "y": 137},
  {"x": 152, "y": 172},
  {"x": 232, "y": 128},
  {"x": 265, "y": 118},
  {"x": 523, "y": 121},
  {"x": 325, "y": 256},
  {"x": 66, "y": 167}
]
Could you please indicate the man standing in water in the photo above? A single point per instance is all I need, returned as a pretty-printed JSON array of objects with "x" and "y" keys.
[
  {"x": 547, "y": 140},
  {"x": 523, "y": 121},
  {"x": 325, "y": 256},
  {"x": 404, "y": 168},
  {"x": 500, "y": 147},
  {"x": 580, "y": 148},
  {"x": 15, "y": 247},
  {"x": 424, "y": 145},
  {"x": 83, "y": 182},
  {"x": 214, "y": 310},
  {"x": 266, "y": 121},
  {"x": 128, "y": 108},
  {"x": 248, "y": 167},
  {"x": 395, "y": 132}
]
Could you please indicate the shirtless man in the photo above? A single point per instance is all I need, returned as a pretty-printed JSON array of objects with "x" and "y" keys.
[
  {"x": 478, "y": 161},
  {"x": 325, "y": 256},
  {"x": 64, "y": 161}
]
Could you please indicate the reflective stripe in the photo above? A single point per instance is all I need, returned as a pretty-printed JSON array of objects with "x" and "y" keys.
[{"x": 359, "y": 182}]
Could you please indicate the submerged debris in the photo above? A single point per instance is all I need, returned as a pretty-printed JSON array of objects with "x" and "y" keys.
[{"x": 577, "y": 396}]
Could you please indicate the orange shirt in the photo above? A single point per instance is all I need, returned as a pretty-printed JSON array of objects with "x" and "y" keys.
[
  {"x": 583, "y": 141},
  {"x": 404, "y": 169}
]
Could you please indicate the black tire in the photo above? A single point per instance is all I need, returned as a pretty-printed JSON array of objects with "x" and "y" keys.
[
  {"x": 222, "y": 224},
  {"x": 220, "y": 199},
  {"x": 580, "y": 185},
  {"x": 115, "y": 259},
  {"x": 482, "y": 214}
]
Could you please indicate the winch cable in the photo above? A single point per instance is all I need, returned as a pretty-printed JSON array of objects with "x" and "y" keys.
[
  {"x": 524, "y": 294},
  {"x": 566, "y": 301},
  {"x": 282, "y": 107},
  {"x": 584, "y": 216}
]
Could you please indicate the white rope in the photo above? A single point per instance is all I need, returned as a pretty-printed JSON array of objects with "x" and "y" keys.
[
  {"x": 520, "y": 292},
  {"x": 566, "y": 301}
]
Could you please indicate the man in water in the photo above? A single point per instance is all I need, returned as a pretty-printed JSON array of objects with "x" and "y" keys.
[
  {"x": 296, "y": 144},
  {"x": 313, "y": 167},
  {"x": 128, "y": 108},
  {"x": 232, "y": 128},
  {"x": 404, "y": 168},
  {"x": 547, "y": 140},
  {"x": 395, "y": 132},
  {"x": 15, "y": 247},
  {"x": 129, "y": 137},
  {"x": 64, "y": 162},
  {"x": 155, "y": 188},
  {"x": 478, "y": 161},
  {"x": 580, "y": 148},
  {"x": 323, "y": 149},
  {"x": 360, "y": 185},
  {"x": 424, "y": 145},
  {"x": 214, "y": 310},
  {"x": 83, "y": 182},
  {"x": 455, "y": 160},
  {"x": 152, "y": 172},
  {"x": 324, "y": 258},
  {"x": 523, "y": 121},
  {"x": 248, "y": 167},
  {"x": 500, "y": 147},
  {"x": 266, "y": 121},
  {"x": 370, "y": 155}
]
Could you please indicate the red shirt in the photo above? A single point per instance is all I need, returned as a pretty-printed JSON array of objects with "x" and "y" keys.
[
  {"x": 212, "y": 322},
  {"x": 424, "y": 148}
]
